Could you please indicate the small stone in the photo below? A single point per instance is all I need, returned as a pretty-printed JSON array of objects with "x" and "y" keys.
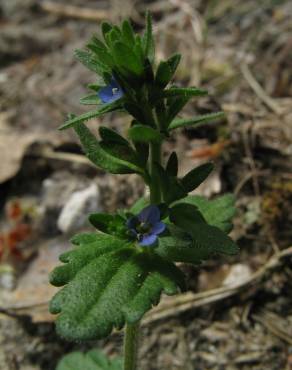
[
  {"x": 74, "y": 214},
  {"x": 238, "y": 274}
]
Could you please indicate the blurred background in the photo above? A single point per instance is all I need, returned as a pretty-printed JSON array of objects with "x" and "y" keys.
[{"x": 237, "y": 313}]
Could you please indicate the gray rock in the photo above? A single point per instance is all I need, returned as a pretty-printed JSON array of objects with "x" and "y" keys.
[{"x": 74, "y": 214}]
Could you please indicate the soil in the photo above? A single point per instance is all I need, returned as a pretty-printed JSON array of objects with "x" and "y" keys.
[{"x": 241, "y": 52}]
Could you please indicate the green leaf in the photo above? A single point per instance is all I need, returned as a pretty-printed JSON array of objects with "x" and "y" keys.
[
  {"x": 115, "y": 159},
  {"x": 95, "y": 87},
  {"x": 109, "y": 224},
  {"x": 142, "y": 150},
  {"x": 217, "y": 212},
  {"x": 184, "y": 92},
  {"x": 128, "y": 33},
  {"x": 175, "y": 105},
  {"x": 106, "y": 28},
  {"x": 92, "y": 360},
  {"x": 138, "y": 50},
  {"x": 172, "y": 164},
  {"x": 92, "y": 99},
  {"x": 195, "y": 121},
  {"x": 184, "y": 215},
  {"x": 84, "y": 238},
  {"x": 105, "y": 108},
  {"x": 97, "y": 42},
  {"x": 171, "y": 188},
  {"x": 166, "y": 70},
  {"x": 144, "y": 134},
  {"x": 203, "y": 242},
  {"x": 136, "y": 112},
  {"x": 102, "y": 55},
  {"x": 139, "y": 205},
  {"x": 126, "y": 58},
  {"x": 111, "y": 136},
  {"x": 147, "y": 39},
  {"x": 101, "y": 221},
  {"x": 196, "y": 176},
  {"x": 178, "y": 246},
  {"x": 108, "y": 283},
  {"x": 90, "y": 62}
]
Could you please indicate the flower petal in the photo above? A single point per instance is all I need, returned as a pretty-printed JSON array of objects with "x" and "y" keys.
[
  {"x": 158, "y": 228},
  {"x": 148, "y": 239},
  {"x": 111, "y": 92},
  {"x": 150, "y": 214}
]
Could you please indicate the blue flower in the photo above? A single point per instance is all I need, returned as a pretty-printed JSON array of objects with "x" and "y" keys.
[
  {"x": 111, "y": 92},
  {"x": 146, "y": 225}
]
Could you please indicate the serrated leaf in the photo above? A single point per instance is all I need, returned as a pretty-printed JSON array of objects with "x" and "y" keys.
[
  {"x": 109, "y": 282},
  {"x": 91, "y": 99},
  {"x": 144, "y": 134},
  {"x": 92, "y": 360},
  {"x": 195, "y": 121},
  {"x": 105, "y": 108},
  {"x": 202, "y": 243},
  {"x": 166, "y": 70},
  {"x": 115, "y": 159},
  {"x": 195, "y": 177},
  {"x": 217, "y": 212},
  {"x": 109, "y": 135},
  {"x": 147, "y": 39},
  {"x": 172, "y": 164},
  {"x": 126, "y": 58}
]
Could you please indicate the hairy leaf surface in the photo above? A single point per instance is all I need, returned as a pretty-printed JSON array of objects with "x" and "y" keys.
[
  {"x": 217, "y": 212},
  {"x": 108, "y": 282},
  {"x": 115, "y": 159},
  {"x": 195, "y": 121},
  {"x": 92, "y": 360}
]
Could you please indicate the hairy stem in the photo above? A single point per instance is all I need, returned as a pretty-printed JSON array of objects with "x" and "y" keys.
[
  {"x": 131, "y": 346},
  {"x": 155, "y": 157}
]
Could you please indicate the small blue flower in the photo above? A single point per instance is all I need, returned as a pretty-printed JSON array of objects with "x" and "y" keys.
[
  {"x": 111, "y": 92},
  {"x": 146, "y": 225}
]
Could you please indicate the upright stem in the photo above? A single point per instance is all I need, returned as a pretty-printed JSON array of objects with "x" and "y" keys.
[
  {"x": 131, "y": 346},
  {"x": 155, "y": 157},
  {"x": 132, "y": 330}
]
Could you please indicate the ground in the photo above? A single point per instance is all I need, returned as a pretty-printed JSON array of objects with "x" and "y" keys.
[{"x": 237, "y": 312}]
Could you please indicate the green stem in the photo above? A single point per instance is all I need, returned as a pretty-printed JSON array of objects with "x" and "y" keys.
[
  {"x": 132, "y": 330},
  {"x": 155, "y": 157},
  {"x": 131, "y": 346}
]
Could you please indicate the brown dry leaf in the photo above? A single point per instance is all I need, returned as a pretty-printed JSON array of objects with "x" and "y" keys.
[
  {"x": 33, "y": 290},
  {"x": 14, "y": 145}
]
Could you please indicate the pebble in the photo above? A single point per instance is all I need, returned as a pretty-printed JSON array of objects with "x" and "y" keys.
[{"x": 74, "y": 214}]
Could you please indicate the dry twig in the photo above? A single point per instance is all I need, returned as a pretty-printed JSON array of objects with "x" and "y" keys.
[
  {"x": 74, "y": 11},
  {"x": 188, "y": 301},
  {"x": 260, "y": 92}
]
